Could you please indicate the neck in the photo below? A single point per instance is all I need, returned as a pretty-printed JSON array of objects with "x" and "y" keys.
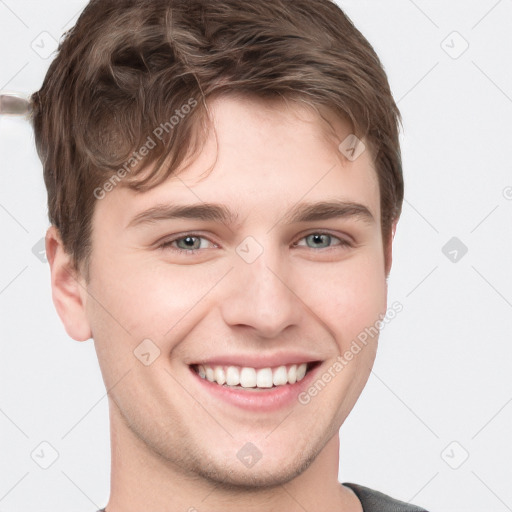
[{"x": 142, "y": 480}]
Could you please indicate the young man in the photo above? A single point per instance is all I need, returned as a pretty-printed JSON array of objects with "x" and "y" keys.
[{"x": 224, "y": 184}]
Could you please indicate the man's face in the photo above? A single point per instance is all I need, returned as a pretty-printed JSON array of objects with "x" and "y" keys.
[{"x": 263, "y": 291}]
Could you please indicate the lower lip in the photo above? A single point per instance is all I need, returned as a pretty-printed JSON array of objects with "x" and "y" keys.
[{"x": 264, "y": 400}]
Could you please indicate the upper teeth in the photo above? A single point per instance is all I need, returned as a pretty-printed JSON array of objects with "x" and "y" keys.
[{"x": 251, "y": 377}]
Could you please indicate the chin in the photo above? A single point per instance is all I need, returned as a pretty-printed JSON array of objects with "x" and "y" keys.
[{"x": 267, "y": 474}]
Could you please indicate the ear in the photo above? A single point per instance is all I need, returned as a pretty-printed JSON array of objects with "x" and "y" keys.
[
  {"x": 68, "y": 288},
  {"x": 388, "y": 250}
]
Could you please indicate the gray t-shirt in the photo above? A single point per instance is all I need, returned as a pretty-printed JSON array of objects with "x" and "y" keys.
[{"x": 375, "y": 501}]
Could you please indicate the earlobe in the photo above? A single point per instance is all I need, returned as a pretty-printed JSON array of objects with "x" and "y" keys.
[{"x": 68, "y": 288}]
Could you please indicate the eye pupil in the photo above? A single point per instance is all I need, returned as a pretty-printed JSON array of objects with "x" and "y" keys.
[
  {"x": 189, "y": 242},
  {"x": 192, "y": 244},
  {"x": 320, "y": 239}
]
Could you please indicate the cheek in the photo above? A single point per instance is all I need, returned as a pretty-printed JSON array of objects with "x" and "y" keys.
[
  {"x": 347, "y": 297},
  {"x": 136, "y": 298},
  {"x": 149, "y": 300}
]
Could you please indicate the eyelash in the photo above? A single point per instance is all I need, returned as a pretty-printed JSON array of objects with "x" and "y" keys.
[{"x": 167, "y": 243}]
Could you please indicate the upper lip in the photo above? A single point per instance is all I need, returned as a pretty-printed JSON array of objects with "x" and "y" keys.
[{"x": 258, "y": 360}]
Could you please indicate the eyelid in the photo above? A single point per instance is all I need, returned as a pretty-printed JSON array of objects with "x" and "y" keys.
[
  {"x": 345, "y": 239},
  {"x": 165, "y": 243}
]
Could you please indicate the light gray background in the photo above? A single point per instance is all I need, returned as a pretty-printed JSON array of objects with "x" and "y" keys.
[{"x": 441, "y": 387}]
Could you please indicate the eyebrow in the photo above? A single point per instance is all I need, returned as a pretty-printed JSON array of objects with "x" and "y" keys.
[{"x": 302, "y": 212}]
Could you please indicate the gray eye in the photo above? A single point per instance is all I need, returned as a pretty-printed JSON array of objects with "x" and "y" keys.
[
  {"x": 189, "y": 242},
  {"x": 319, "y": 240}
]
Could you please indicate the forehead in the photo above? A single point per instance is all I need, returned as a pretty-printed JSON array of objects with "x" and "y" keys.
[{"x": 260, "y": 154}]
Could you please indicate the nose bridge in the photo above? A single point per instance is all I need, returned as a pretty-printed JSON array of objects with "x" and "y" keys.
[{"x": 261, "y": 296}]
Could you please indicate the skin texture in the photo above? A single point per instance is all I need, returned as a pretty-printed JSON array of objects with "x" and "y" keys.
[{"x": 174, "y": 445}]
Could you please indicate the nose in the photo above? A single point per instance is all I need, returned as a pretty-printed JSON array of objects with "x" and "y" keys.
[{"x": 260, "y": 296}]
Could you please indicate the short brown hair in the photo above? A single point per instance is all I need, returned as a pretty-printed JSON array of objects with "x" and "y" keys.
[{"x": 129, "y": 66}]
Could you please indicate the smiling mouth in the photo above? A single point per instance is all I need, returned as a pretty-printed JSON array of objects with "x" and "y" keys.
[{"x": 245, "y": 377}]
